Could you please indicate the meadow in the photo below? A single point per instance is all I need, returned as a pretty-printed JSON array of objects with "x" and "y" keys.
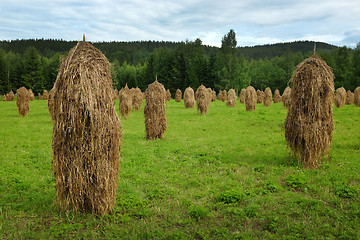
[{"x": 225, "y": 175}]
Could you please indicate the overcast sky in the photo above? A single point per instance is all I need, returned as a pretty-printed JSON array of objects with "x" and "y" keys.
[{"x": 255, "y": 22}]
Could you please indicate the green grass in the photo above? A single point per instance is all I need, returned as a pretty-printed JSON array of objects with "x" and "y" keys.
[{"x": 226, "y": 175}]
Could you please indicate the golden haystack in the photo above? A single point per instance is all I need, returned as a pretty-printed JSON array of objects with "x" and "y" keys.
[
  {"x": 116, "y": 94},
  {"x": 349, "y": 97},
  {"x": 277, "y": 97},
  {"x": 286, "y": 97},
  {"x": 40, "y": 97},
  {"x": 259, "y": 96},
  {"x": 22, "y": 101},
  {"x": 137, "y": 99},
  {"x": 213, "y": 95},
  {"x": 357, "y": 96},
  {"x": 250, "y": 98},
  {"x": 242, "y": 95},
  {"x": 125, "y": 102},
  {"x": 220, "y": 95},
  {"x": 168, "y": 95},
  {"x": 87, "y": 133},
  {"x": 10, "y": 96},
  {"x": 154, "y": 111},
  {"x": 178, "y": 95},
  {"x": 340, "y": 97},
  {"x": 31, "y": 94},
  {"x": 45, "y": 95},
  {"x": 309, "y": 123},
  {"x": 231, "y": 98},
  {"x": 203, "y": 101},
  {"x": 267, "y": 97},
  {"x": 189, "y": 98},
  {"x": 51, "y": 104}
]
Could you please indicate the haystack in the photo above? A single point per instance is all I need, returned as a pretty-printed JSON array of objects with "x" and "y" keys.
[
  {"x": 340, "y": 97},
  {"x": 213, "y": 95},
  {"x": 250, "y": 98},
  {"x": 31, "y": 95},
  {"x": 22, "y": 101},
  {"x": 137, "y": 99},
  {"x": 267, "y": 97},
  {"x": 116, "y": 94},
  {"x": 277, "y": 97},
  {"x": 357, "y": 96},
  {"x": 309, "y": 123},
  {"x": 189, "y": 99},
  {"x": 154, "y": 111},
  {"x": 125, "y": 102},
  {"x": 51, "y": 104},
  {"x": 349, "y": 97},
  {"x": 168, "y": 95},
  {"x": 231, "y": 98},
  {"x": 40, "y": 97},
  {"x": 260, "y": 96},
  {"x": 242, "y": 95},
  {"x": 178, "y": 95},
  {"x": 220, "y": 96},
  {"x": 45, "y": 95},
  {"x": 10, "y": 96},
  {"x": 87, "y": 133},
  {"x": 203, "y": 101},
  {"x": 286, "y": 97}
]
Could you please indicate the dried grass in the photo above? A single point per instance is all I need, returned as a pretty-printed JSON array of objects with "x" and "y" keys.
[
  {"x": 250, "y": 98},
  {"x": 286, "y": 97},
  {"x": 242, "y": 95},
  {"x": 178, "y": 95},
  {"x": 125, "y": 102},
  {"x": 168, "y": 95},
  {"x": 87, "y": 133},
  {"x": 260, "y": 96},
  {"x": 349, "y": 97},
  {"x": 203, "y": 99},
  {"x": 45, "y": 95},
  {"x": 340, "y": 97},
  {"x": 231, "y": 98},
  {"x": 277, "y": 97},
  {"x": 154, "y": 111},
  {"x": 51, "y": 104},
  {"x": 137, "y": 99},
  {"x": 357, "y": 96},
  {"x": 9, "y": 97},
  {"x": 309, "y": 123},
  {"x": 267, "y": 97},
  {"x": 213, "y": 95},
  {"x": 40, "y": 97},
  {"x": 31, "y": 94},
  {"x": 22, "y": 101},
  {"x": 189, "y": 98}
]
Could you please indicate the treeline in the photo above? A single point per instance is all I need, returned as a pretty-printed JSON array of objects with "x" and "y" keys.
[{"x": 34, "y": 64}]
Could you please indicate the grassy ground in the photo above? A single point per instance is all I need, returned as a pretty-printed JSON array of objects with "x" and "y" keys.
[{"x": 227, "y": 175}]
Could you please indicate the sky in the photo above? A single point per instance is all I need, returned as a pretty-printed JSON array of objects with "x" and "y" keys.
[{"x": 255, "y": 22}]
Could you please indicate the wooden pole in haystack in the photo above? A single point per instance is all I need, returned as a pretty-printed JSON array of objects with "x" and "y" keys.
[
  {"x": 309, "y": 122},
  {"x": 87, "y": 133}
]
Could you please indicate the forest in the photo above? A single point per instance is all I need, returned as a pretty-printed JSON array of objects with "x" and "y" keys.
[{"x": 34, "y": 63}]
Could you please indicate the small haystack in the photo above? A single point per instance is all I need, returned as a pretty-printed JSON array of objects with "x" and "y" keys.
[
  {"x": 357, "y": 96},
  {"x": 213, "y": 95},
  {"x": 168, "y": 95},
  {"x": 309, "y": 123},
  {"x": 154, "y": 111},
  {"x": 250, "y": 98},
  {"x": 31, "y": 95},
  {"x": 286, "y": 97},
  {"x": 231, "y": 98},
  {"x": 242, "y": 95},
  {"x": 125, "y": 102},
  {"x": 40, "y": 97},
  {"x": 267, "y": 97},
  {"x": 260, "y": 96},
  {"x": 277, "y": 97},
  {"x": 220, "y": 96},
  {"x": 189, "y": 98},
  {"x": 87, "y": 133},
  {"x": 349, "y": 97},
  {"x": 116, "y": 94},
  {"x": 45, "y": 95},
  {"x": 178, "y": 95},
  {"x": 137, "y": 99},
  {"x": 10, "y": 96},
  {"x": 22, "y": 101},
  {"x": 203, "y": 101},
  {"x": 340, "y": 97}
]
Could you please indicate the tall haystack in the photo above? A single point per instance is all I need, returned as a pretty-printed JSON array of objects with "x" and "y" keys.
[
  {"x": 31, "y": 95},
  {"x": 260, "y": 96},
  {"x": 242, "y": 95},
  {"x": 178, "y": 95},
  {"x": 45, "y": 95},
  {"x": 87, "y": 133},
  {"x": 51, "y": 104},
  {"x": 349, "y": 97},
  {"x": 40, "y": 97},
  {"x": 154, "y": 111},
  {"x": 250, "y": 98},
  {"x": 357, "y": 96},
  {"x": 189, "y": 99},
  {"x": 231, "y": 98},
  {"x": 277, "y": 97},
  {"x": 220, "y": 96},
  {"x": 267, "y": 97},
  {"x": 286, "y": 97},
  {"x": 203, "y": 101},
  {"x": 168, "y": 95},
  {"x": 137, "y": 99},
  {"x": 213, "y": 95},
  {"x": 125, "y": 102},
  {"x": 224, "y": 95},
  {"x": 340, "y": 97},
  {"x": 309, "y": 123},
  {"x": 22, "y": 101}
]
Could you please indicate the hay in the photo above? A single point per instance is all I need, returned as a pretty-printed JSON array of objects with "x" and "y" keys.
[
  {"x": 260, "y": 96},
  {"x": 154, "y": 111},
  {"x": 203, "y": 100},
  {"x": 349, "y": 97},
  {"x": 168, "y": 95},
  {"x": 267, "y": 97},
  {"x": 286, "y": 97},
  {"x": 277, "y": 97},
  {"x": 51, "y": 104},
  {"x": 213, "y": 95},
  {"x": 357, "y": 96},
  {"x": 340, "y": 97},
  {"x": 242, "y": 95},
  {"x": 309, "y": 122},
  {"x": 45, "y": 95},
  {"x": 125, "y": 102},
  {"x": 250, "y": 98},
  {"x": 31, "y": 95},
  {"x": 137, "y": 99},
  {"x": 231, "y": 98},
  {"x": 87, "y": 133},
  {"x": 10, "y": 96},
  {"x": 40, "y": 97},
  {"x": 22, "y": 101},
  {"x": 178, "y": 95},
  {"x": 189, "y": 98}
]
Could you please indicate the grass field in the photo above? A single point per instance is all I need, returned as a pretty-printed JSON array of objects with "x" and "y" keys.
[{"x": 226, "y": 175}]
